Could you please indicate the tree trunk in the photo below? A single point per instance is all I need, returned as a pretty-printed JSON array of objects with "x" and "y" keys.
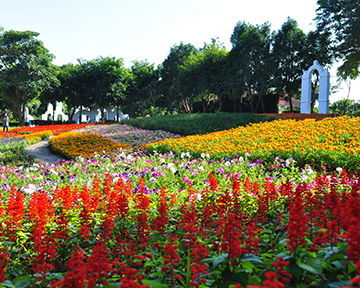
[
  {"x": 262, "y": 104},
  {"x": 80, "y": 114},
  {"x": 142, "y": 109},
  {"x": 204, "y": 105},
  {"x": 290, "y": 102}
]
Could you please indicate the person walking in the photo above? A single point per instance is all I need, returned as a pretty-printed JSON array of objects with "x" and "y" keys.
[{"x": 6, "y": 122}]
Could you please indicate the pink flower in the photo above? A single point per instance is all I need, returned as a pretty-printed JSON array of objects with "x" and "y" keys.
[{"x": 186, "y": 180}]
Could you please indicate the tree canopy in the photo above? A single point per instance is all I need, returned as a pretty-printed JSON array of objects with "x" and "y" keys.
[
  {"x": 26, "y": 69},
  {"x": 341, "y": 19}
]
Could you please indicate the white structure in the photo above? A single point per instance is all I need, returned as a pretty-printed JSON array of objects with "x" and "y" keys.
[
  {"x": 324, "y": 87},
  {"x": 94, "y": 115},
  {"x": 58, "y": 112},
  {"x": 27, "y": 115}
]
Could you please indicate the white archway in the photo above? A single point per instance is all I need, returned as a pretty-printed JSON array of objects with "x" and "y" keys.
[{"x": 324, "y": 87}]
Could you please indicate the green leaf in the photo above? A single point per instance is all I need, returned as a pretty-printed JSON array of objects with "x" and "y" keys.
[
  {"x": 250, "y": 257},
  {"x": 220, "y": 259},
  {"x": 340, "y": 284},
  {"x": 154, "y": 284},
  {"x": 338, "y": 264},
  {"x": 22, "y": 284},
  {"x": 7, "y": 283},
  {"x": 337, "y": 256},
  {"x": 312, "y": 265},
  {"x": 242, "y": 278}
]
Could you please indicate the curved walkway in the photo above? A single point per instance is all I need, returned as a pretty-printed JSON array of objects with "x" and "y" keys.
[{"x": 41, "y": 151}]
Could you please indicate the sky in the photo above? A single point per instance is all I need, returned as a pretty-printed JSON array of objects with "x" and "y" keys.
[{"x": 147, "y": 29}]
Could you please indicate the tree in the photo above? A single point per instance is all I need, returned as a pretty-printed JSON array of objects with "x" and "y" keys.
[
  {"x": 142, "y": 88},
  {"x": 251, "y": 57},
  {"x": 169, "y": 85},
  {"x": 106, "y": 79},
  {"x": 341, "y": 19},
  {"x": 203, "y": 76},
  {"x": 343, "y": 106},
  {"x": 25, "y": 69},
  {"x": 289, "y": 42}
]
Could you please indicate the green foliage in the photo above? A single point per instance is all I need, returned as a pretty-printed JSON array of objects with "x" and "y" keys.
[
  {"x": 340, "y": 19},
  {"x": 191, "y": 124},
  {"x": 250, "y": 63},
  {"x": 25, "y": 69},
  {"x": 344, "y": 106},
  {"x": 288, "y": 52},
  {"x": 142, "y": 87}
]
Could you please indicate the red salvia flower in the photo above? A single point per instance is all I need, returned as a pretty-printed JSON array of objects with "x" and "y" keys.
[
  {"x": 171, "y": 258},
  {"x": 76, "y": 276},
  {"x": 212, "y": 182},
  {"x": 142, "y": 205},
  {"x": 15, "y": 213},
  {"x": 128, "y": 280},
  {"x": 98, "y": 265},
  {"x": 230, "y": 235},
  {"x": 162, "y": 219},
  {"x": 297, "y": 226},
  {"x": 4, "y": 259}
]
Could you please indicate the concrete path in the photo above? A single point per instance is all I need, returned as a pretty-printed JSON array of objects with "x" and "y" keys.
[{"x": 41, "y": 151}]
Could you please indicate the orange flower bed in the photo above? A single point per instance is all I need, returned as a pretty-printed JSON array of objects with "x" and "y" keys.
[
  {"x": 75, "y": 144},
  {"x": 339, "y": 135}
]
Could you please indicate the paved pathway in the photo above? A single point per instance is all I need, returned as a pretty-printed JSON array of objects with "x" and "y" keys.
[{"x": 41, "y": 151}]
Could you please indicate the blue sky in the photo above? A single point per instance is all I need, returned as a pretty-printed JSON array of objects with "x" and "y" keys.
[{"x": 147, "y": 29}]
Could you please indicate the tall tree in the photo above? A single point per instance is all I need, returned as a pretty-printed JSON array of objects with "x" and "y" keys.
[
  {"x": 341, "y": 19},
  {"x": 169, "y": 85},
  {"x": 203, "y": 75},
  {"x": 106, "y": 78},
  {"x": 289, "y": 42},
  {"x": 142, "y": 88},
  {"x": 251, "y": 56},
  {"x": 25, "y": 68}
]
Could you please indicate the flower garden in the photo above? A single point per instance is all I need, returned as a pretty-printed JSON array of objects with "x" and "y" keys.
[{"x": 273, "y": 204}]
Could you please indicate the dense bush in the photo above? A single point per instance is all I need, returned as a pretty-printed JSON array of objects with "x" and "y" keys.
[{"x": 198, "y": 123}]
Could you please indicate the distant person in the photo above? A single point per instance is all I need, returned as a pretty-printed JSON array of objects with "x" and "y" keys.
[{"x": 6, "y": 122}]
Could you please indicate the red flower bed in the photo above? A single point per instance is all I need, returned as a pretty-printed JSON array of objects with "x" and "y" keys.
[
  {"x": 300, "y": 116},
  {"x": 253, "y": 234},
  {"x": 57, "y": 129}
]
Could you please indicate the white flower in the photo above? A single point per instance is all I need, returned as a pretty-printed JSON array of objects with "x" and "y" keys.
[
  {"x": 241, "y": 159},
  {"x": 172, "y": 169},
  {"x": 339, "y": 169},
  {"x": 227, "y": 163},
  {"x": 30, "y": 189},
  {"x": 304, "y": 177},
  {"x": 288, "y": 161}
]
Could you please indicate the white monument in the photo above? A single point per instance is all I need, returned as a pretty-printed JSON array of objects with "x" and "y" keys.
[
  {"x": 58, "y": 112},
  {"x": 324, "y": 87},
  {"x": 93, "y": 115}
]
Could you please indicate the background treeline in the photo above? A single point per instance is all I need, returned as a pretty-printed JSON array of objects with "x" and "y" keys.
[{"x": 261, "y": 66}]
